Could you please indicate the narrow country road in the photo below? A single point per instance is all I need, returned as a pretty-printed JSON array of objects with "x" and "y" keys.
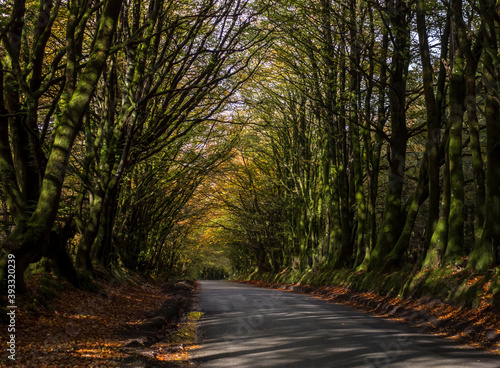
[{"x": 245, "y": 326}]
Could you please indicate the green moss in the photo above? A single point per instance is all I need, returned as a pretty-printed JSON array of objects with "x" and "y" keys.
[
  {"x": 186, "y": 334},
  {"x": 47, "y": 293},
  {"x": 41, "y": 266},
  {"x": 494, "y": 290}
]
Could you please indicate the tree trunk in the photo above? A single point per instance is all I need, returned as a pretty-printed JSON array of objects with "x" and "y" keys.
[
  {"x": 435, "y": 253},
  {"x": 418, "y": 197},
  {"x": 391, "y": 222},
  {"x": 354, "y": 124},
  {"x": 455, "y": 244},
  {"x": 30, "y": 242},
  {"x": 433, "y": 118},
  {"x": 486, "y": 251},
  {"x": 373, "y": 178}
]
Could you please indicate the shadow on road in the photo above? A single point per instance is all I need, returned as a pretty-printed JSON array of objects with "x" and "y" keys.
[{"x": 251, "y": 327}]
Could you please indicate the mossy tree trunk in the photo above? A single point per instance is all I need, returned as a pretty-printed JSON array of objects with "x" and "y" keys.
[
  {"x": 29, "y": 241},
  {"x": 434, "y": 113},
  {"x": 356, "y": 132},
  {"x": 374, "y": 173},
  {"x": 455, "y": 243},
  {"x": 390, "y": 229},
  {"x": 486, "y": 252}
]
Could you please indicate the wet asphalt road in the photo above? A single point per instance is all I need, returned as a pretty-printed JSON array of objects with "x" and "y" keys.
[{"x": 249, "y": 327}]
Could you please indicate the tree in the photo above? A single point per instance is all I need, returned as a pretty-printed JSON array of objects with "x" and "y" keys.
[
  {"x": 35, "y": 207},
  {"x": 130, "y": 84},
  {"x": 399, "y": 15},
  {"x": 486, "y": 251}
]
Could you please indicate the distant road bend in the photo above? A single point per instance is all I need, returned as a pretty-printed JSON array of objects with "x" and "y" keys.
[{"x": 249, "y": 327}]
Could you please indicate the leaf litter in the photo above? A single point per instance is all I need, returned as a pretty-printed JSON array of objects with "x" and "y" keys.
[{"x": 88, "y": 329}]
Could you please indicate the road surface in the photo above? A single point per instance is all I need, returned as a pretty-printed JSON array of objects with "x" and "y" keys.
[{"x": 248, "y": 327}]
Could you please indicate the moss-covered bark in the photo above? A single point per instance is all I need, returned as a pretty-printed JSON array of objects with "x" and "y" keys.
[
  {"x": 455, "y": 243},
  {"x": 30, "y": 241},
  {"x": 392, "y": 222},
  {"x": 486, "y": 251}
]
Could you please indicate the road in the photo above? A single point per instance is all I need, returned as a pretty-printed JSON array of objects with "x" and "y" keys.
[{"x": 245, "y": 326}]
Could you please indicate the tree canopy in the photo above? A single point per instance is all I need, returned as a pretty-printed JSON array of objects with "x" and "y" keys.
[{"x": 262, "y": 134}]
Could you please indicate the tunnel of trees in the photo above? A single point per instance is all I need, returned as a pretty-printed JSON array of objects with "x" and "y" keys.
[{"x": 153, "y": 135}]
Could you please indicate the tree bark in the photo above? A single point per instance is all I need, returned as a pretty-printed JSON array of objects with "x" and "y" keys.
[
  {"x": 29, "y": 242},
  {"x": 391, "y": 227},
  {"x": 486, "y": 252},
  {"x": 455, "y": 243}
]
